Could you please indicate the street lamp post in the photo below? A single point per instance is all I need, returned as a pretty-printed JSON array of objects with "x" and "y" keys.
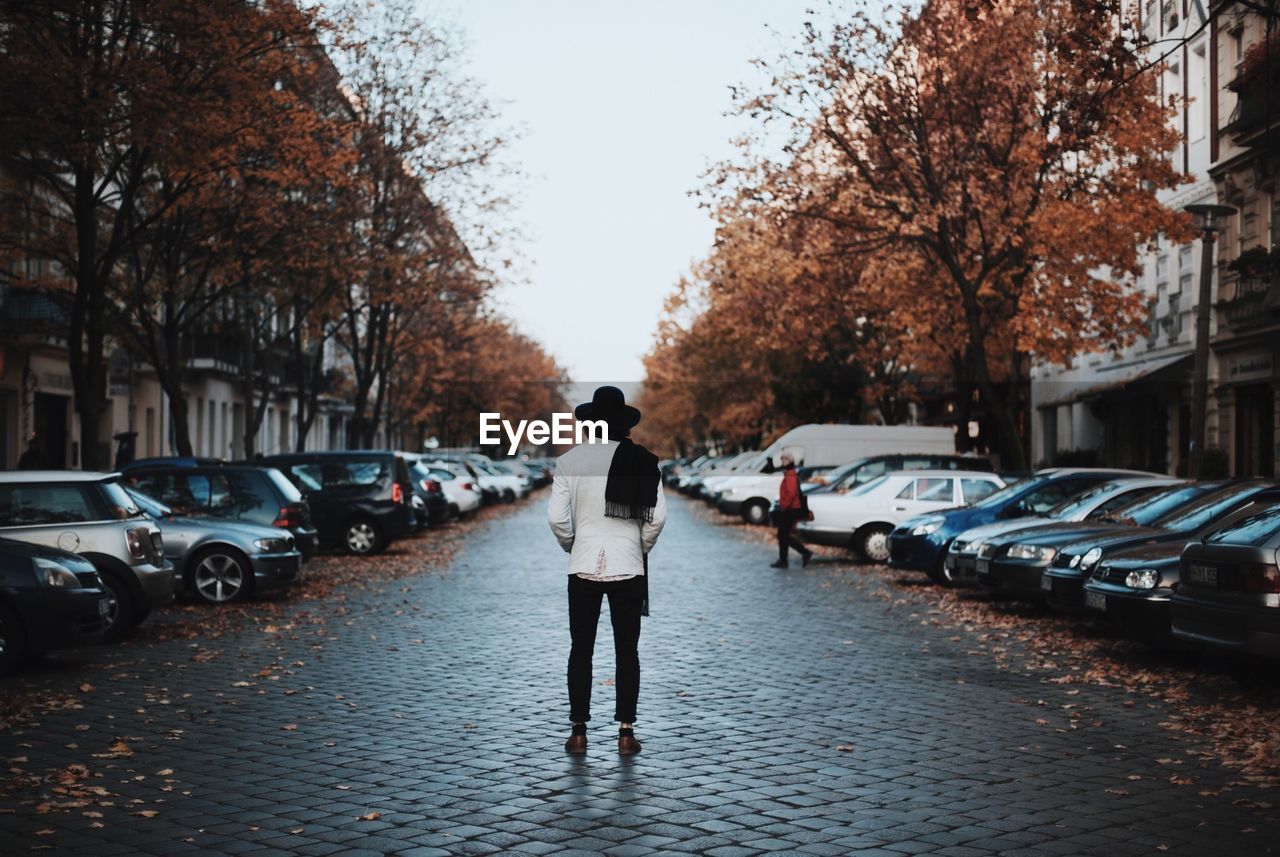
[{"x": 1208, "y": 219}]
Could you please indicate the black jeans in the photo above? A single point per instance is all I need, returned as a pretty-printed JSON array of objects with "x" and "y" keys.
[
  {"x": 786, "y": 523},
  {"x": 625, "y": 598}
]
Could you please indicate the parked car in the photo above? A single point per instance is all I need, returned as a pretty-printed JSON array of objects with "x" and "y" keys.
[
  {"x": 1228, "y": 594},
  {"x": 360, "y": 499},
  {"x": 459, "y": 487},
  {"x": 751, "y": 493},
  {"x": 49, "y": 599},
  {"x": 1084, "y": 511},
  {"x": 847, "y": 477},
  {"x": 511, "y": 472},
  {"x": 862, "y": 519},
  {"x": 920, "y": 543},
  {"x": 1131, "y": 589},
  {"x": 1063, "y": 582},
  {"x": 430, "y": 505},
  {"x": 90, "y": 514},
  {"x": 219, "y": 560},
  {"x": 233, "y": 492}
]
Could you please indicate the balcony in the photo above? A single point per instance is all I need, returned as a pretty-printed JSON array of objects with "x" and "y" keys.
[
  {"x": 1249, "y": 301},
  {"x": 1257, "y": 103}
]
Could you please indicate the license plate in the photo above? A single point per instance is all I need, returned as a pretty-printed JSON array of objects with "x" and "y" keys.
[
  {"x": 984, "y": 566},
  {"x": 950, "y": 563},
  {"x": 1205, "y": 575},
  {"x": 1095, "y": 600},
  {"x": 104, "y": 606},
  {"x": 1046, "y": 583}
]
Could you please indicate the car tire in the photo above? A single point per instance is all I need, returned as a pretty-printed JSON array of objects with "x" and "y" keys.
[
  {"x": 219, "y": 575},
  {"x": 124, "y": 614},
  {"x": 13, "y": 640},
  {"x": 756, "y": 512},
  {"x": 939, "y": 574},
  {"x": 363, "y": 537},
  {"x": 872, "y": 543},
  {"x": 508, "y": 496}
]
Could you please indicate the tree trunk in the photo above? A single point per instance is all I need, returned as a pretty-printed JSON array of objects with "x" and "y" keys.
[{"x": 86, "y": 333}]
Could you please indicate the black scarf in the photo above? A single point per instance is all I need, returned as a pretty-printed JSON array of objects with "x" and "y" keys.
[{"x": 632, "y": 489}]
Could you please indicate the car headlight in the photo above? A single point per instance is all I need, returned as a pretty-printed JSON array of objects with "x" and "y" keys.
[
  {"x": 271, "y": 545},
  {"x": 1090, "y": 558},
  {"x": 53, "y": 573},
  {"x": 927, "y": 526},
  {"x": 1143, "y": 578},
  {"x": 1075, "y": 561},
  {"x": 1032, "y": 552}
]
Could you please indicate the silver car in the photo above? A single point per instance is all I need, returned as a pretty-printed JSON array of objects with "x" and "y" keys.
[
  {"x": 218, "y": 560},
  {"x": 91, "y": 514}
]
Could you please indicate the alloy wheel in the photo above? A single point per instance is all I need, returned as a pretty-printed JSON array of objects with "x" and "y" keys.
[
  {"x": 218, "y": 578},
  {"x": 361, "y": 537}
]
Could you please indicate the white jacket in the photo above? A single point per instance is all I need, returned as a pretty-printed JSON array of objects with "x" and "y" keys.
[{"x": 598, "y": 546}]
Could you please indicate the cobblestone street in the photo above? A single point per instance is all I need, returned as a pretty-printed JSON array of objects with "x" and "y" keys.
[{"x": 784, "y": 712}]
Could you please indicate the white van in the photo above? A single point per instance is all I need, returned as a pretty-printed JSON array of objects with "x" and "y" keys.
[{"x": 751, "y": 492}]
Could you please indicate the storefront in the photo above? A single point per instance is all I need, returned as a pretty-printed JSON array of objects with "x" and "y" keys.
[{"x": 1247, "y": 404}]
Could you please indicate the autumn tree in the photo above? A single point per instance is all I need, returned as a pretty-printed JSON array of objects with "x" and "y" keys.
[
  {"x": 1012, "y": 149},
  {"x": 115, "y": 113},
  {"x": 261, "y": 220},
  {"x": 426, "y": 151}
]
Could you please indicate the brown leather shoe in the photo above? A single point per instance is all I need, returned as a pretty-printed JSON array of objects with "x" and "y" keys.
[
  {"x": 577, "y": 743},
  {"x": 627, "y": 743}
]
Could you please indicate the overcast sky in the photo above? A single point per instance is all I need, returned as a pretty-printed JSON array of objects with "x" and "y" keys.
[{"x": 623, "y": 104}]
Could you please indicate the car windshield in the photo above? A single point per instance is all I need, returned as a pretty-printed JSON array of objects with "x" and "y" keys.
[
  {"x": 1009, "y": 492},
  {"x": 867, "y": 487},
  {"x": 286, "y": 488},
  {"x": 1081, "y": 503},
  {"x": 123, "y": 506},
  {"x": 835, "y": 474},
  {"x": 1146, "y": 511},
  {"x": 1253, "y": 530},
  {"x": 150, "y": 505},
  {"x": 1200, "y": 512}
]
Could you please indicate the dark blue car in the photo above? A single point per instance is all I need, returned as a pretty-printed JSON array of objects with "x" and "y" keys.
[{"x": 920, "y": 543}]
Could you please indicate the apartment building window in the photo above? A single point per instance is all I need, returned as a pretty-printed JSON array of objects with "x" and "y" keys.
[
  {"x": 1162, "y": 268},
  {"x": 1184, "y": 258},
  {"x": 199, "y": 445},
  {"x": 1198, "y": 90}
]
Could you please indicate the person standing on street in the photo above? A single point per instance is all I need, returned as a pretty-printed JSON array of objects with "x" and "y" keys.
[
  {"x": 790, "y": 506},
  {"x": 606, "y": 511}
]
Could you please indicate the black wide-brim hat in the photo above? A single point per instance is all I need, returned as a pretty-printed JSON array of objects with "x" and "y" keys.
[{"x": 608, "y": 404}]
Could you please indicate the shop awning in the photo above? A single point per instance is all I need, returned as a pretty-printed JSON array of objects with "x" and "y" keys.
[{"x": 1113, "y": 379}]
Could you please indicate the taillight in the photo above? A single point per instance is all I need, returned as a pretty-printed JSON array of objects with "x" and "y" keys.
[
  {"x": 290, "y": 516},
  {"x": 136, "y": 539},
  {"x": 425, "y": 484},
  {"x": 467, "y": 486},
  {"x": 1259, "y": 577},
  {"x": 397, "y": 493}
]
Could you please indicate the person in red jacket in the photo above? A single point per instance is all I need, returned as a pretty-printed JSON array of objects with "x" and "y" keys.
[{"x": 789, "y": 510}]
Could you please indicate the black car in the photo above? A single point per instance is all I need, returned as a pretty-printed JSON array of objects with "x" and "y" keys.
[
  {"x": 1228, "y": 593},
  {"x": 1063, "y": 581},
  {"x": 360, "y": 500},
  {"x": 1014, "y": 562},
  {"x": 49, "y": 599},
  {"x": 237, "y": 492}
]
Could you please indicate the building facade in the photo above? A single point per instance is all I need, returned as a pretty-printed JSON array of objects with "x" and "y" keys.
[{"x": 1133, "y": 407}]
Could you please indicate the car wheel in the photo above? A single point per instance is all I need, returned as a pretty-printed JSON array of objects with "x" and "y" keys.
[
  {"x": 756, "y": 512},
  {"x": 13, "y": 640},
  {"x": 220, "y": 576},
  {"x": 363, "y": 537},
  {"x": 508, "y": 496},
  {"x": 939, "y": 573},
  {"x": 872, "y": 542},
  {"x": 122, "y": 611}
]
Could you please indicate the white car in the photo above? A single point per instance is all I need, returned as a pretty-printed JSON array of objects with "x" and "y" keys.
[
  {"x": 862, "y": 518},
  {"x": 457, "y": 483}
]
